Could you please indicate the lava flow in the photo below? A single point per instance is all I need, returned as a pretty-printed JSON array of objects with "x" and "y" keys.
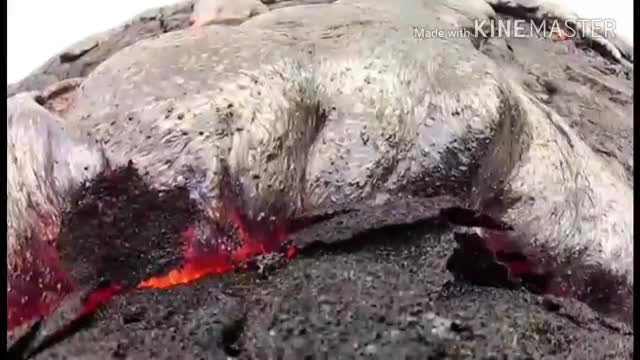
[
  {"x": 37, "y": 287},
  {"x": 121, "y": 234},
  {"x": 190, "y": 272},
  {"x": 200, "y": 263}
]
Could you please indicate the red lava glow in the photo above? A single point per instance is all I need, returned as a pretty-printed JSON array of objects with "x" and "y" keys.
[
  {"x": 38, "y": 287},
  {"x": 41, "y": 290},
  {"x": 292, "y": 252},
  {"x": 192, "y": 271},
  {"x": 199, "y": 265},
  {"x": 99, "y": 297},
  {"x": 520, "y": 268}
]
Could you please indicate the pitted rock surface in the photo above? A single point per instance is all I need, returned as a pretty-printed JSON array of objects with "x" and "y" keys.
[{"x": 358, "y": 106}]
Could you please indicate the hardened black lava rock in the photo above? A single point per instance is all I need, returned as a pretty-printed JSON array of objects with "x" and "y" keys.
[{"x": 383, "y": 295}]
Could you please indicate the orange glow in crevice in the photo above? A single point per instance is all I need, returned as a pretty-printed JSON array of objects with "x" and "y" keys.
[
  {"x": 193, "y": 270},
  {"x": 42, "y": 287},
  {"x": 198, "y": 265}
]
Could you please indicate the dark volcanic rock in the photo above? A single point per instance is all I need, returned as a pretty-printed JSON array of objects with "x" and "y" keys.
[
  {"x": 100, "y": 241},
  {"x": 389, "y": 297},
  {"x": 181, "y": 323},
  {"x": 564, "y": 76}
]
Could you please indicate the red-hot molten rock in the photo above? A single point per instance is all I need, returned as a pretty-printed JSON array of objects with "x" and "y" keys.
[
  {"x": 200, "y": 263},
  {"x": 120, "y": 235},
  {"x": 37, "y": 287},
  {"x": 121, "y": 232}
]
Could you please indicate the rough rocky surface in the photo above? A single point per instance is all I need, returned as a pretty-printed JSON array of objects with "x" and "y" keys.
[
  {"x": 377, "y": 294},
  {"x": 339, "y": 106},
  {"x": 208, "y": 12},
  {"x": 380, "y": 296},
  {"x": 81, "y": 58},
  {"x": 565, "y": 76}
]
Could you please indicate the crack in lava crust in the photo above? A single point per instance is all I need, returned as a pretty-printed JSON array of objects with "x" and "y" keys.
[
  {"x": 502, "y": 260},
  {"x": 119, "y": 235},
  {"x": 201, "y": 261}
]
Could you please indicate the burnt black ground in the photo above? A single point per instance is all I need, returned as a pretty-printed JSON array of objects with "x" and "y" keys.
[
  {"x": 388, "y": 295},
  {"x": 118, "y": 230}
]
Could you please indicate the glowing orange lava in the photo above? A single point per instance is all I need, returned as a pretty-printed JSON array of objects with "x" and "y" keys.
[
  {"x": 26, "y": 300},
  {"x": 197, "y": 265},
  {"x": 189, "y": 273}
]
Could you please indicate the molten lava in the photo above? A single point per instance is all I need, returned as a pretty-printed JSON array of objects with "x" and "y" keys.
[
  {"x": 198, "y": 264},
  {"x": 114, "y": 227},
  {"x": 38, "y": 287},
  {"x": 27, "y": 300},
  {"x": 190, "y": 272}
]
